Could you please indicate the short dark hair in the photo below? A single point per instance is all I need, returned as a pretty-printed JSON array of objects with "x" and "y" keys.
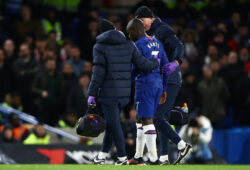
[
  {"x": 135, "y": 24},
  {"x": 135, "y": 28}
]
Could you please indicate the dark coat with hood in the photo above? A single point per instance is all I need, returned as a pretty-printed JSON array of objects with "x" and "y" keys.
[{"x": 112, "y": 59}]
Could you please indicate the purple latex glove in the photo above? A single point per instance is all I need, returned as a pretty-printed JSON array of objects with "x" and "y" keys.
[
  {"x": 91, "y": 100},
  {"x": 158, "y": 59},
  {"x": 170, "y": 67}
]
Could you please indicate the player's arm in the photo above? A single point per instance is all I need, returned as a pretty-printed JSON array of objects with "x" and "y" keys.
[
  {"x": 176, "y": 46},
  {"x": 141, "y": 62},
  {"x": 164, "y": 61},
  {"x": 98, "y": 71},
  {"x": 177, "y": 52}
]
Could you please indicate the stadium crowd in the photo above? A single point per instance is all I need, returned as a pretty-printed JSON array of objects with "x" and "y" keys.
[{"x": 46, "y": 58}]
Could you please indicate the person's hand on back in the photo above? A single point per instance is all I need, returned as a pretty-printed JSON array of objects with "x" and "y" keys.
[{"x": 158, "y": 59}]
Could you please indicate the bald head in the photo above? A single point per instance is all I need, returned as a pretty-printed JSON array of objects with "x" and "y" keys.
[{"x": 135, "y": 29}]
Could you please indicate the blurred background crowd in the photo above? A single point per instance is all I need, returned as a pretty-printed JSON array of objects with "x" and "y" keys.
[{"x": 46, "y": 57}]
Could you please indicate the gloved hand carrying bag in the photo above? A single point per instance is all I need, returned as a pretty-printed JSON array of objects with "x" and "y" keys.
[{"x": 91, "y": 124}]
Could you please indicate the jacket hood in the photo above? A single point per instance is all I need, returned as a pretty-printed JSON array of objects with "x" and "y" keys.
[{"x": 112, "y": 37}]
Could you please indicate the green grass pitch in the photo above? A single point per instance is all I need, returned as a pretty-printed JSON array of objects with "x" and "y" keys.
[{"x": 112, "y": 167}]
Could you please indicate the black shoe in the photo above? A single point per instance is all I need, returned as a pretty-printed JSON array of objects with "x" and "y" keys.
[
  {"x": 183, "y": 153},
  {"x": 125, "y": 162},
  {"x": 164, "y": 162},
  {"x": 136, "y": 161},
  {"x": 98, "y": 161},
  {"x": 157, "y": 162}
]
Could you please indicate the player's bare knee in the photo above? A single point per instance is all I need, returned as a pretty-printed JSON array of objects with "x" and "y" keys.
[
  {"x": 139, "y": 120},
  {"x": 147, "y": 121}
]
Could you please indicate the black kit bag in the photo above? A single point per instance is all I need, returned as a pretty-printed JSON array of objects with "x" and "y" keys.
[
  {"x": 178, "y": 117},
  {"x": 91, "y": 124}
]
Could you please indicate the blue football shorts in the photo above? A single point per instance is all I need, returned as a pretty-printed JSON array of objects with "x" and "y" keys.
[{"x": 146, "y": 101}]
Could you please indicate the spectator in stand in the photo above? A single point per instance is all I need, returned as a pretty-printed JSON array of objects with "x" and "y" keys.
[
  {"x": 244, "y": 55},
  {"x": 5, "y": 74},
  {"x": 129, "y": 130},
  {"x": 9, "y": 50},
  {"x": 52, "y": 42},
  {"x": 215, "y": 66},
  {"x": 213, "y": 94},
  {"x": 76, "y": 61},
  {"x": 190, "y": 40},
  {"x": 69, "y": 79},
  {"x": 77, "y": 98},
  {"x": 198, "y": 132},
  {"x": 7, "y": 135},
  {"x": 13, "y": 100},
  {"x": 7, "y": 100},
  {"x": 30, "y": 40},
  {"x": 243, "y": 35},
  {"x": 25, "y": 68},
  {"x": 234, "y": 71},
  {"x": 223, "y": 63},
  {"x": 27, "y": 25},
  {"x": 212, "y": 54},
  {"x": 116, "y": 20},
  {"x": 16, "y": 102},
  {"x": 87, "y": 67},
  {"x": 68, "y": 76},
  {"x": 51, "y": 23},
  {"x": 242, "y": 97},
  {"x": 40, "y": 48},
  {"x": 118, "y": 25},
  {"x": 203, "y": 33},
  {"x": 68, "y": 121},
  {"x": 48, "y": 53},
  {"x": 220, "y": 42},
  {"x": 20, "y": 132},
  {"x": 39, "y": 136},
  {"x": 65, "y": 50},
  {"x": 47, "y": 87}
]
